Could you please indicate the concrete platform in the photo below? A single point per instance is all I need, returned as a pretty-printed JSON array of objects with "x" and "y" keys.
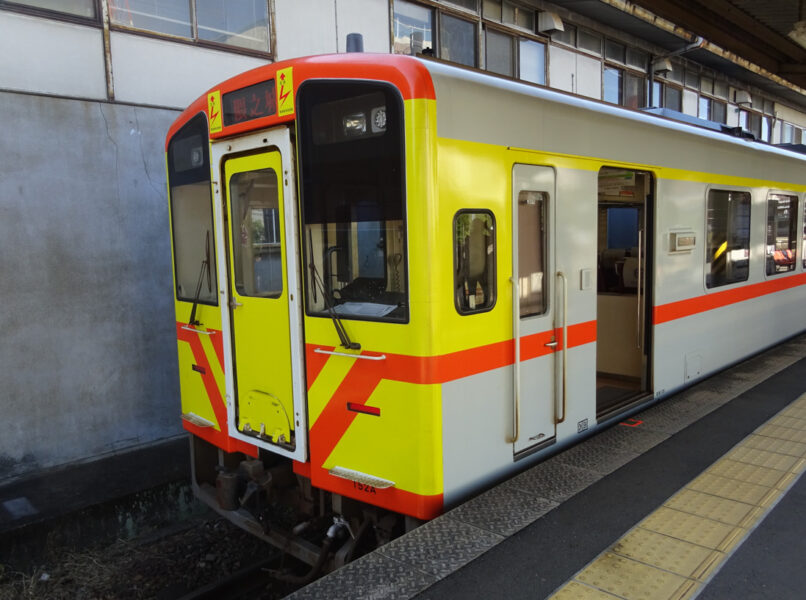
[{"x": 616, "y": 517}]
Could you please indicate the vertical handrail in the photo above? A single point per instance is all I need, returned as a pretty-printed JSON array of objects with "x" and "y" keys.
[
  {"x": 639, "y": 291},
  {"x": 516, "y": 370},
  {"x": 561, "y": 275}
]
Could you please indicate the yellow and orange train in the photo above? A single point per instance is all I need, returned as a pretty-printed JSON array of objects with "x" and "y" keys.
[{"x": 397, "y": 281}]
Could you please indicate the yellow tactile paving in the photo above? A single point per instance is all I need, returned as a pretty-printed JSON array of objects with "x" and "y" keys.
[
  {"x": 794, "y": 411},
  {"x": 789, "y": 421},
  {"x": 732, "y": 489},
  {"x": 630, "y": 579},
  {"x": 748, "y": 472},
  {"x": 711, "y": 507},
  {"x": 688, "y": 527},
  {"x": 578, "y": 591},
  {"x": 774, "y": 445},
  {"x": 781, "y": 433},
  {"x": 765, "y": 458},
  {"x": 669, "y": 554}
]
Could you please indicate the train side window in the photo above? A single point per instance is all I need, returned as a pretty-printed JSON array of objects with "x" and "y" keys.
[
  {"x": 727, "y": 253},
  {"x": 782, "y": 212},
  {"x": 532, "y": 207},
  {"x": 192, "y": 213},
  {"x": 474, "y": 261}
]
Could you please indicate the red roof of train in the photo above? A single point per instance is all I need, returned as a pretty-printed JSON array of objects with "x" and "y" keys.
[{"x": 408, "y": 74}]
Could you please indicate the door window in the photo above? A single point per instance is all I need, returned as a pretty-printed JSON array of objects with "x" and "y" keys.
[
  {"x": 256, "y": 234},
  {"x": 532, "y": 252}
]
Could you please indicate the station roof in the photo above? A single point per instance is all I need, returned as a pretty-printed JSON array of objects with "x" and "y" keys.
[{"x": 755, "y": 42}]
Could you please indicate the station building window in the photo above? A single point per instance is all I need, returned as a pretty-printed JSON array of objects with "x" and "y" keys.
[
  {"x": 623, "y": 80},
  {"x": 624, "y": 88},
  {"x": 240, "y": 23},
  {"x": 782, "y": 212},
  {"x": 532, "y": 63},
  {"x": 499, "y": 52},
  {"x": 567, "y": 36},
  {"x": 457, "y": 40},
  {"x": 468, "y": 4},
  {"x": 449, "y": 31},
  {"x": 474, "y": 261},
  {"x": 79, "y": 8},
  {"x": 727, "y": 252},
  {"x": 756, "y": 124},
  {"x": 708, "y": 107},
  {"x": 589, "y": 42},
  {"x": 719, "y": 111},
  {"x": 673, "y": 98},
  {"x": 509, "y": 13},
  {"x": 413, "y": 29},
  {"x": 790, "y": 134},
  {"x": 704, "y": 108}
]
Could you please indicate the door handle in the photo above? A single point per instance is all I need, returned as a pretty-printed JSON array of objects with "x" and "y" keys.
[
  {"x": 233, "y": 303},
  {"x": 551, "y": 345}
]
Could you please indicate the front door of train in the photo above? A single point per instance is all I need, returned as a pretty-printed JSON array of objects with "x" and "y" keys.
[
  {"x": 259, "y": 212},
  {"x": 535, "y": 382}
]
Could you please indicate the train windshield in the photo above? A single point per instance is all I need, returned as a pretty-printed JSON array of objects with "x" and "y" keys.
[{"x": 353, "y": 200}]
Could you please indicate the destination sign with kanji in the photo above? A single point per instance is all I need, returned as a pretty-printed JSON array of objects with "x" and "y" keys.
[{"x": 253, "y": 102}]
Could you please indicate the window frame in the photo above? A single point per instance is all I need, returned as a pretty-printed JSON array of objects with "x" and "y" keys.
[
  {"x": 56, "y": 15},
  {"x": 514, "y": 41},
  {"x": 405, "y": 265},
  {"x": 492, "y": 277},
  {"x": 544, "y": 248},
  {"x": 794, "y": 228},
  {"x": 708, "y": 268},
  {"x": 179, "y": 180},
  {"x": 195, "y": 40}
]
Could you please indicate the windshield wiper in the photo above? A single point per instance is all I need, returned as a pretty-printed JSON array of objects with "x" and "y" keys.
[
  {"x": 317, "y": 280},
  {"x": 205, "y": 270}
]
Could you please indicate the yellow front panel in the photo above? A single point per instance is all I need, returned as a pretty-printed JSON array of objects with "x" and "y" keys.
[
  {"x": 195, "y": 399},
  {"x": 402, "y": 444}
]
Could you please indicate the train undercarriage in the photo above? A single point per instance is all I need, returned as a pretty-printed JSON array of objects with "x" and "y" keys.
[{"x": 266, "y": 498}]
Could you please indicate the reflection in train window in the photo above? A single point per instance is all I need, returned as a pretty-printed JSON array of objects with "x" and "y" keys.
[
  {"x": 727, "y": 253},
  {"x": 353, "y": 200},
  {"x": 256, "y": 243},
  {"x": 192, "y": 214},
  {"x": 532, "y": 208},
  {"x": 782, "y": 212},
  {"x": 474, "y": 261}
]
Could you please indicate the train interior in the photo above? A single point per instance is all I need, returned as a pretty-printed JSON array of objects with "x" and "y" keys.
[{"x": 623, "y": 329}]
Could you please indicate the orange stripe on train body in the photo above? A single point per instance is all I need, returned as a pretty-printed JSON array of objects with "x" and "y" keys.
[
  {"x": 210, "y": 434},
  {"x": 692, "y": 306},
  {"x": 364, "y": 376},
  {"x": 462, "y": 363}
]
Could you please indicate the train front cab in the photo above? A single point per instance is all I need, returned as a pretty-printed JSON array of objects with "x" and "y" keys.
[{"x": 301, "y": 330}]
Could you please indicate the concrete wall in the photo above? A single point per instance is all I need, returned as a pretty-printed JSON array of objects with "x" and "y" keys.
[{"x": 88, "y": 352}]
